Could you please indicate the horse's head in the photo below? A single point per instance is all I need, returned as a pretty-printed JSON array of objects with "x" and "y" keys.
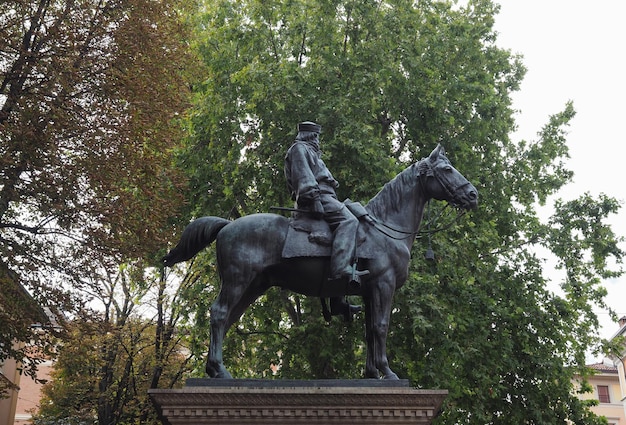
[{"x": 443, "y": 182}]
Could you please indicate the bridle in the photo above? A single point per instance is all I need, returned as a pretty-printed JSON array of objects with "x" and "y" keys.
[{"x": 425, "y": 170}]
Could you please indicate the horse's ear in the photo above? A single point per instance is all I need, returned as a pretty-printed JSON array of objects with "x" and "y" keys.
[{"x": 434, "y": 155}]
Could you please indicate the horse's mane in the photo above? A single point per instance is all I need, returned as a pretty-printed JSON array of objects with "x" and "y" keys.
[{"x": 390, "y": 197}]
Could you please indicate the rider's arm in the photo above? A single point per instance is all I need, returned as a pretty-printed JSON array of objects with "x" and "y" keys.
[{"x": 300, "y": 174}]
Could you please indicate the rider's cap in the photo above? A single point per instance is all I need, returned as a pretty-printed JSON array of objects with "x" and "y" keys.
[{"x": 309, "y": 126}]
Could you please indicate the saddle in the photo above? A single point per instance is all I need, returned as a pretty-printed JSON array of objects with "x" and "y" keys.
[{"x": 311, "y": 237}]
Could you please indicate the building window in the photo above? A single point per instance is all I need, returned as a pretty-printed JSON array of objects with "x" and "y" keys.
[{"x": 603, "y": 394}]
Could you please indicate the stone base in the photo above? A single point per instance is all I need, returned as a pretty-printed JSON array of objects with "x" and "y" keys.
[{"x": 247, "y": 402}]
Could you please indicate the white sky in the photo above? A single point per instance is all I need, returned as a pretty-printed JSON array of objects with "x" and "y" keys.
[{"x": 574, "y": 50}]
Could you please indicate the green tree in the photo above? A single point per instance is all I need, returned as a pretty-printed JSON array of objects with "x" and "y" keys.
[
  {"x": 77, "y": 392},
  {"x": 388, "y": 80},
  {"x": 109, "y": 359},
  {"x": 89, "y": 95}
]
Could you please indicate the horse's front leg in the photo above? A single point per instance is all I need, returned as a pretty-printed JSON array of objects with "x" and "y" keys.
[{"x": 377, "y": 312}]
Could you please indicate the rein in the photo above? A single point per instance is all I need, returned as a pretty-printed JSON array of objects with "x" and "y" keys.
[{"x": 384, "y": 228}]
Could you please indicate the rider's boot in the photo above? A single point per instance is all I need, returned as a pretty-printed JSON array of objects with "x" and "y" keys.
[{"x": 352, "y": 275}]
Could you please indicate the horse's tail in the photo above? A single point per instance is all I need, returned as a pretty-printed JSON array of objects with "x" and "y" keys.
[{"x": 198, "y": 234}]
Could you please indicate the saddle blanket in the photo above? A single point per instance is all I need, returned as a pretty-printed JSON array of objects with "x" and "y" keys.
[{"x": 308, "y": 237}]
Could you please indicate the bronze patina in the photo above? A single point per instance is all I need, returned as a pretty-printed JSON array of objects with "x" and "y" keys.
[{"x": 250, "y": 256}]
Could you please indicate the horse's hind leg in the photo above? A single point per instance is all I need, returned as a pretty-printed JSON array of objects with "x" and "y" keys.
[
  {"x": 219, "y": 316},
  {"x": 230, "y": 304}
]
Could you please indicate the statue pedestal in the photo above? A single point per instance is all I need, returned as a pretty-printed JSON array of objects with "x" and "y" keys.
[{"x": 247, "y": 402}]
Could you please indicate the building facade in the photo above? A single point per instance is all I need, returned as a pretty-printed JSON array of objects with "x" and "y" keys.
[
  {"x": 607, "y": 390},
  {"x": 619, "y": 360},
  {"x": 16, "y": 302},
  {"x": 10, "y": 374}
]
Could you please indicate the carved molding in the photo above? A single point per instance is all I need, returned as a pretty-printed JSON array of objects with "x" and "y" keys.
[{"x": 296, "y": 405}]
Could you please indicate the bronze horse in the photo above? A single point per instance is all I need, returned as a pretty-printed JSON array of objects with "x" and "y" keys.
[{"x": 249, "y": 256}]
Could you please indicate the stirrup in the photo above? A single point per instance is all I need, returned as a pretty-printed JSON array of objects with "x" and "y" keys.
[
  {"x": 352, "y": 276},
  {"x": 355, "y": 278}
]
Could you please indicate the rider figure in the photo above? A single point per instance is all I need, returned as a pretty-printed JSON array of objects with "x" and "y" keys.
[{"x": 312, "y": 186}]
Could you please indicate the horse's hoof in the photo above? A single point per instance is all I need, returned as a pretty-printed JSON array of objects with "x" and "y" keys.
[
  {"x": 372, "y": 375},
  {"x": 217, "y": 371},
  {"x": 391, "y": 376},
  {"x": 222, "y": 374}
]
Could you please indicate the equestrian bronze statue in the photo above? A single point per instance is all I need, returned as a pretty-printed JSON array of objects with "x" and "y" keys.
[{"x": 258, "y": 251}]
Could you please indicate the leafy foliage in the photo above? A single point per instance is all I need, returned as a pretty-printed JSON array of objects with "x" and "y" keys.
[
  {"x": 90, "y": 92},
  {"x": 80, "y": 393},
  {"x": 388, "y": 80},
  {"x": 89, "y": 97},
  {"x": 108, "y": 360}
]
